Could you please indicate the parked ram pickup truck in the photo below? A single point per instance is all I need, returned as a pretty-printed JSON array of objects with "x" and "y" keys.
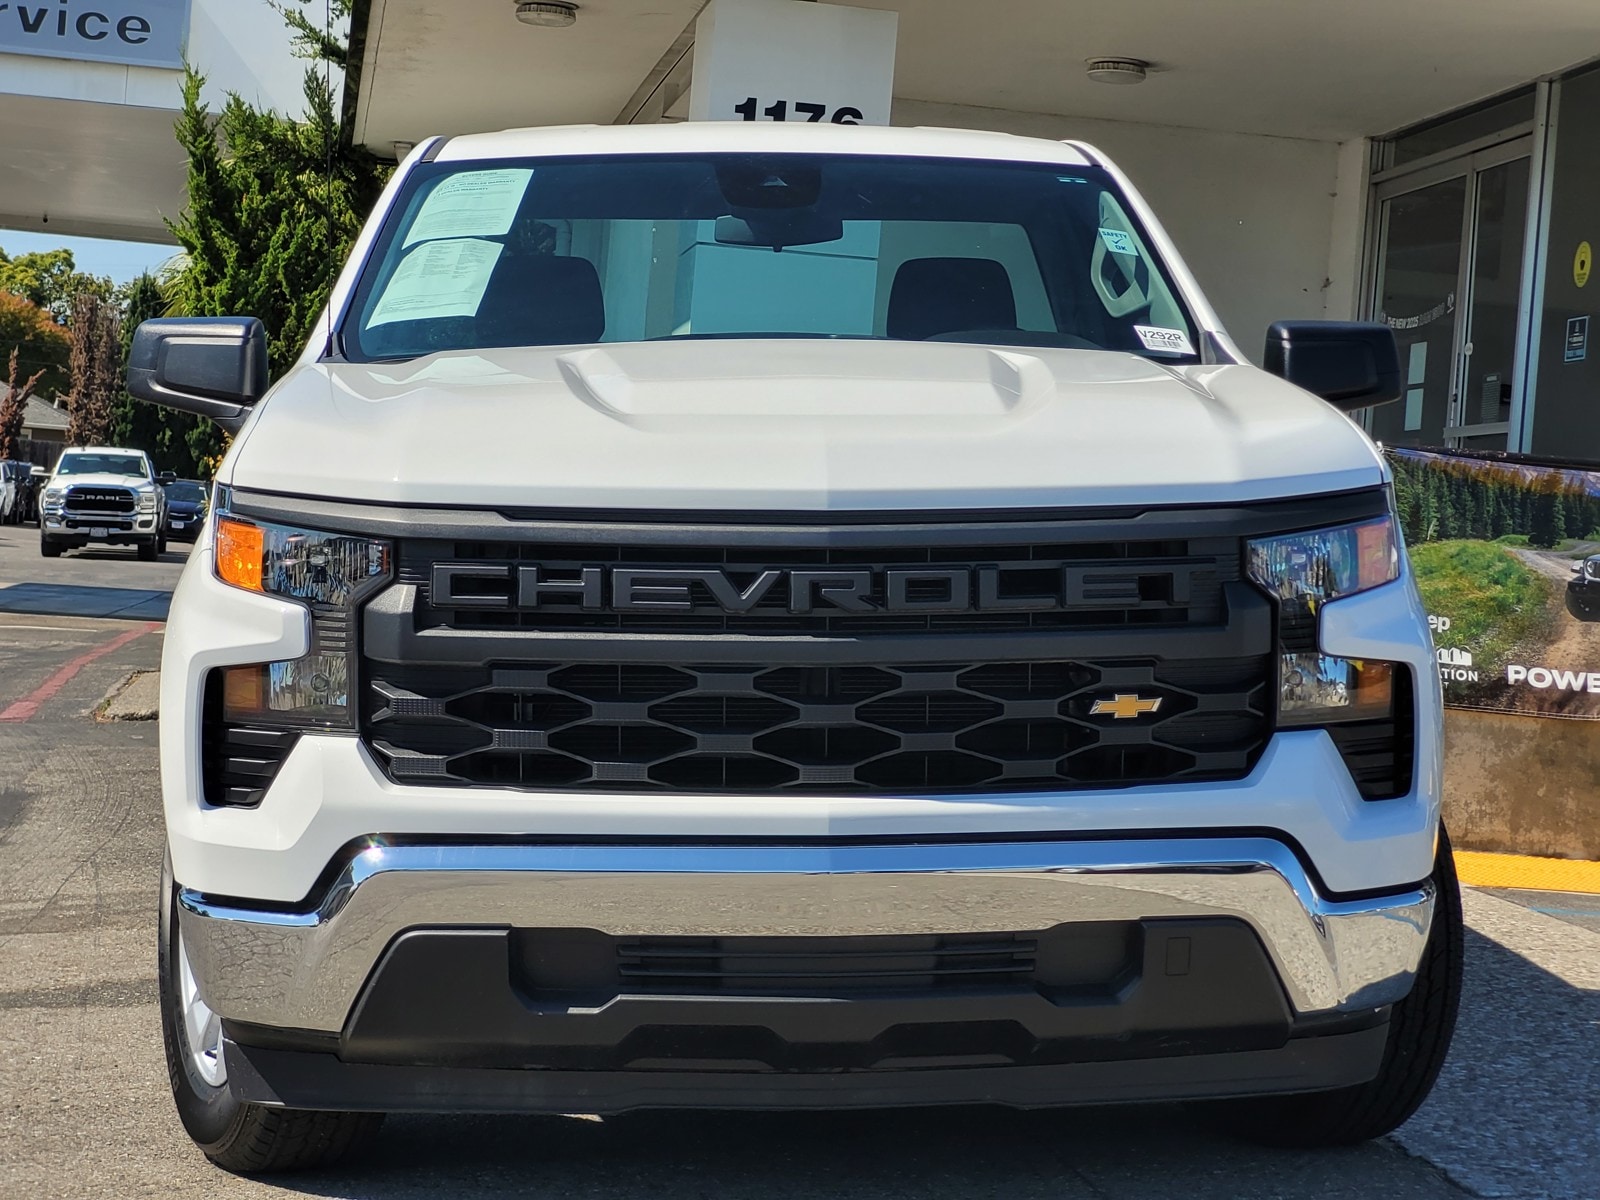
[
  {"x": 102, "y": 495},
  {"x": 791, "y": 617}
]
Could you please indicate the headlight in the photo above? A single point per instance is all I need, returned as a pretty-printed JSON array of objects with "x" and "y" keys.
[
  {"x": 328, "y": 572},
  {"x": 53, "y": 494},
  {"x": 1304, "y": 571},
  {"x": 298, "y": 564},
  {"x": 147, "y": 501}
]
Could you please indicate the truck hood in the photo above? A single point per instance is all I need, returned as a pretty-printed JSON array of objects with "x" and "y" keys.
[{"x": 795, "y": 425}]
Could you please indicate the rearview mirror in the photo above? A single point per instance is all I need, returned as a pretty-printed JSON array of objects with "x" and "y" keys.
[
  {"x": 212, "y": 366},
  {"x": 39, "y": 473},
  {"x": 777, "y": 230},
  {"x": 1349, "y": 364}
]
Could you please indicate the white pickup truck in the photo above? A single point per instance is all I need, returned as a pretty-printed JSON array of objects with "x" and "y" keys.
[
  {"x": 791, "y": 616},
  {"x": 104, "y": 495}
]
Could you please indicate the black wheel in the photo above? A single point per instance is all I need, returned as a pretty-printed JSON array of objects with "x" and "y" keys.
[
  {"x": 50, "y": 548},
  {"x": 149, "y": 551},
  {"x": 1420, "y": 1028},
  {"x": 239, "y": 1137},
  {"x": 161, "y": 545}
]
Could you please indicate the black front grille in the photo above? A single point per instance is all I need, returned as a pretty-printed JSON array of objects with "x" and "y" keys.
[
  {"x": 823, "y": 729},
  {"x": 812, "y": 966},
  {"x": 85, "y": 499},
  {"x": 1010, "y": 587},
  {"x": 588, "y": 966}
]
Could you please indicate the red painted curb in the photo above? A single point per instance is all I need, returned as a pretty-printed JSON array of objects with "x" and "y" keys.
[{"x": 24, "y": 709}]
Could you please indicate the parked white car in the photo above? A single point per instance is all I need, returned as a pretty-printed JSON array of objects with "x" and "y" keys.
[
  {"x": 103, "y": 495},
  {"x": 728, "y": 616}
]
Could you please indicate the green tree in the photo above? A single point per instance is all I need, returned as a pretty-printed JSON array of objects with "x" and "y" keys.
[
  {"x": 50, "y": 279},
  {"x": 274, "y": 206},
  {"x": 40, "y": 343}
]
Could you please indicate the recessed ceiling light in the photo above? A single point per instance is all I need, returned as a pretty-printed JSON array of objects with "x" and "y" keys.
[
  {"x": 551, "y": 14},
  {"x": 1118, "y": 70}
]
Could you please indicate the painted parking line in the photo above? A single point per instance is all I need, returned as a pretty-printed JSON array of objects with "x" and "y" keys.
[
  {"x": 1528, "y": 873},
  {"x": 24, "y": 709}
]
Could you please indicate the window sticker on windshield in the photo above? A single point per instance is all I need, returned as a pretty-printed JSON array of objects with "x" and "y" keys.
[
  {"x": 1173, "y": 341},
  {"x": 440, "y": 279},
  {"x": 471, "y": 204},
  {"x": 1118, "y": 242}
]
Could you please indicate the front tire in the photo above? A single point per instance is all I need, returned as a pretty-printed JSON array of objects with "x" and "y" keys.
[
  {"x": 50, "y": 548},
  {"x": 1420, "y": 1028},
  {"x": 239, "y": 1137},
  {"x": 149, "y": 551}
]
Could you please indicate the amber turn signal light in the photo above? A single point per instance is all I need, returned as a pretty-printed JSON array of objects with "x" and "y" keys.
[{"x": 240, "y": 549}]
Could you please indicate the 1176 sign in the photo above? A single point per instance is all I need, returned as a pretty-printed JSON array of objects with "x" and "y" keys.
[{"x": 806, "y": 111}]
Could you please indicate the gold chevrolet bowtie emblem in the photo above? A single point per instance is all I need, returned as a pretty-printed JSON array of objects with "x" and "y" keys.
[{"x": 1124, "y": 708}]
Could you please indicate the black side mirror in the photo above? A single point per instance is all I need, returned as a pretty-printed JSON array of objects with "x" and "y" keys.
[
  {"x": 167, "y": 477},
  {"x": 1350, "y": 364},
  {"x": 212, "y": 366}
]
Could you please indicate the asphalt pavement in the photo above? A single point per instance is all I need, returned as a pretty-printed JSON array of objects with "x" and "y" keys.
[{"x": 85, "y": 1110}]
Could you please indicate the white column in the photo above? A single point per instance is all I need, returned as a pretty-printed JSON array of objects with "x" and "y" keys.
[{"x": 785, "y": 60}]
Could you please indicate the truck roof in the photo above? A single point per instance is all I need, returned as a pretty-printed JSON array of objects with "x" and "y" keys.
[{"x": 702, "y": 137}]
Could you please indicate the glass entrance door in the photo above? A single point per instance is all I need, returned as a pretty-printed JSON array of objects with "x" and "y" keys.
[
  {"x": 1488, "y": 363},
  {"x": 1448, "y": 284}
]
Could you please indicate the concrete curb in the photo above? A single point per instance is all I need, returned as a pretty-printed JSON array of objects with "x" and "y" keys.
[{"x": 134, "y": 697}]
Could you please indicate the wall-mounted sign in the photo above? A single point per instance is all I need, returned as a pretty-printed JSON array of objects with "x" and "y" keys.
[
  {"x": 1582, "y": 263},
  {"x": 1577, "y": 348},
  {"x": 784, "y": 60},
  {"x": 1507, "y": 556},
  {"x": 142, "y": 33}
]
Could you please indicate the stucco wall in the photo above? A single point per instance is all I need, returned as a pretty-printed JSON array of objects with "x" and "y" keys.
[
  {"x": 1255, "y": 217},
  {"x": 1522, "y": 785}
]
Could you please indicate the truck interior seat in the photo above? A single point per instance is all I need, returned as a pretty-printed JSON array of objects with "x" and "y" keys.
[
  {"x": 934, "y": 296},
  {"x": 542, "y": 300}
]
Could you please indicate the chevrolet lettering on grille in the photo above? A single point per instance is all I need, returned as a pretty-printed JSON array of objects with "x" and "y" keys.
[{"x": 860, "y": 591}]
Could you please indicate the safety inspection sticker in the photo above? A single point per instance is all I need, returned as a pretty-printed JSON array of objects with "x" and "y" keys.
[
  {"x": 473, "y": 204},
  {"x": 1582, "y": 261},
  {"x": 1118, "y": 242},
  {"x": 1173, "y": 341},
  {"x": 439, "y": 279}
]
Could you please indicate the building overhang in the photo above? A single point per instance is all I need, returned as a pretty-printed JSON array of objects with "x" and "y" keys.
[
  {"x": 79, "y": 168},
  {"x": 1295, "y": 68}
]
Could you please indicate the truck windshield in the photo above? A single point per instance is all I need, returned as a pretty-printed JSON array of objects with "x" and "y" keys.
[
  {"x": 544, "y": 252},
  {"x": 102, "y": 464}
]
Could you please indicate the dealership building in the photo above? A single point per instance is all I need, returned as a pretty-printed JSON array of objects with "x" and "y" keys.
[{"x": 1434, "y": 166}]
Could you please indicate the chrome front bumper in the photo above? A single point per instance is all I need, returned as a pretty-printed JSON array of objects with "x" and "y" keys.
[{"x": 305, "y": 969}]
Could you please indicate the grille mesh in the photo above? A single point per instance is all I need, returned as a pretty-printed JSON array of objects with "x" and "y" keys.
[
  {"x": 83, "y": 498},
  {"x": 1001, "y": 726}
]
